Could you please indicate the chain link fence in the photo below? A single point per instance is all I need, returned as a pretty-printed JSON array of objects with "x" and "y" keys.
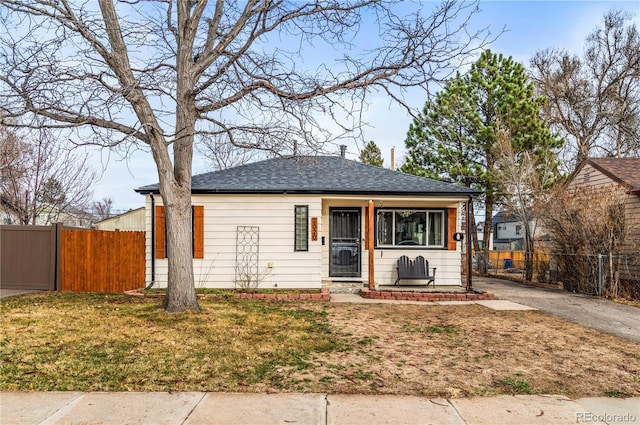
[{"x": 592, "y": 274}]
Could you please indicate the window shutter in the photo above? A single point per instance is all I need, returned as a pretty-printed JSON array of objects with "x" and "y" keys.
[
  {"x": 452, "y": 219},
  {"x": 198, "y": 231},
  {"x": 160, "y": 233}
]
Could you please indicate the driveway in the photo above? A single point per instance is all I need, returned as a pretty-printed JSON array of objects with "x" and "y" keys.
[{"x": 597, "y": 313}]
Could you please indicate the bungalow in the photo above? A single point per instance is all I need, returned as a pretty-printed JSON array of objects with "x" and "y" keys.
[
  {"x": 309, "y": 221},
  {"x": 610, "y": 174}
]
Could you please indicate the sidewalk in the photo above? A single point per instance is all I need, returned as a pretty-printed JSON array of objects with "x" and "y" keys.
[
  {"x": 191, "y": 408},
  {"x": 48, "y": 408}
]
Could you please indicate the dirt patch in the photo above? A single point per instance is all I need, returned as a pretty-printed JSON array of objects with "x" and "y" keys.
[{"x": 454, "y": 351}]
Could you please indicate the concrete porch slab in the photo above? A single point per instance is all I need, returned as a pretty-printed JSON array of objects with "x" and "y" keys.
[
  {"x": 453, "y": 302},
  {"x": 504, "y": 305}
]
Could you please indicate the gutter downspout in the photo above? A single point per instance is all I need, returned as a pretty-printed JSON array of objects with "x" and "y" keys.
[{"x": 153, "y": 241}]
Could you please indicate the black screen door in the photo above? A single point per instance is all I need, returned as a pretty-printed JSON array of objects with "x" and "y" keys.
[{"x": 344, "y": 242}]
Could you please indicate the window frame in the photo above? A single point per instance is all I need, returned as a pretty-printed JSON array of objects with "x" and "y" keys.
[
  {"x": 301, "y": 234},
  {"x": 443, "y": 222}
]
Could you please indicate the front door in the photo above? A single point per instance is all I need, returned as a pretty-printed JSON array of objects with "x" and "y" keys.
[{"x": 344, "y": 242}]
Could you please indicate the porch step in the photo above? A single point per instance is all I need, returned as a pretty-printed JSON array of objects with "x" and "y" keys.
[{"x": 343, "y": 287}]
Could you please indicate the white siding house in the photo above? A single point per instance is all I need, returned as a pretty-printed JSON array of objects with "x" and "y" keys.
[
  {"x": 130, "y": 220},
  {"x": 303, "y": 223}
]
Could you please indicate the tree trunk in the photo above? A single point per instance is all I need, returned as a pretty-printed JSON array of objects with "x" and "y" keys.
[
  {"x": 528, "y": 252},
  {"x": 488, "y": 224},
  {"x": 181, "y": 294},
  {"x": 474, "y": 228}
]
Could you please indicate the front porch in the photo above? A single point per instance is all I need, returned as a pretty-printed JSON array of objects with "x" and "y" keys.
[{"x": 357, "y": 286}]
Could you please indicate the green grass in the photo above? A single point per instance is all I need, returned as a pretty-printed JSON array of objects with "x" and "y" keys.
[
  {"x": 88, "y": 342},
  {"x": 515, "y": 386}
]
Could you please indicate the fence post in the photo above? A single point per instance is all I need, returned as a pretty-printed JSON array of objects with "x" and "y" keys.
[
  {"x": 599, "y": 275},
  {"x": 57, "y": 228}
]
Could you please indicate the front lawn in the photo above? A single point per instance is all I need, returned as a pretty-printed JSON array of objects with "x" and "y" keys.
[{"x": 92, "y": 342}]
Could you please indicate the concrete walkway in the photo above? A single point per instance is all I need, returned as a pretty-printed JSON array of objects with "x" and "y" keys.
[
  {"x": 492, "y": 304},
  {"x": 598, "y": 313},
  {"x": 54, "y": 408}
]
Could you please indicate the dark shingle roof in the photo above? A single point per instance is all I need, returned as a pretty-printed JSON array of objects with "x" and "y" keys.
[
  {"x": 622, "y": 170},
  {"x": 316, "y": 174}
]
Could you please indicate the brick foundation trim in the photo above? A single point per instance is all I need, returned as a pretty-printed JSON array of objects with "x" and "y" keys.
[
  {"x": 424, "y": 296},
  {"x": 323, "y": 295}
]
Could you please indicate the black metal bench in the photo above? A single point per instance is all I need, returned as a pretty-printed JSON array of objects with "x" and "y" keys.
[{"x": 417, "y": 269}]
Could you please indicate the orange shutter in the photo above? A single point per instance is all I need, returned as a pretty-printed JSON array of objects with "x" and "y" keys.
[
  {"x": 160, "y": 233},
  {"x": 198, "y": 231},
  {"x": 452, "y": 219}
]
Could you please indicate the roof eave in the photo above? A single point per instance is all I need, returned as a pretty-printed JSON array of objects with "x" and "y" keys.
[{"x": 465, "y": 194}]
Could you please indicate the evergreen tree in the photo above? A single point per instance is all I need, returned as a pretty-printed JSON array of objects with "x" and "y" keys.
[
  {"x": 371, "y": 155},
  {"x": 455, "y": 137}
]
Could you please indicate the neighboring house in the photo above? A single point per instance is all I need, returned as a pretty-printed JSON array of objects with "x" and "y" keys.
[
  {"x": 8, "y": 213},
  {"x": 302, "y": 222},
  {"x": 130, "y": 220},
  {"x": 508, "y": 232},
  {"x": 48, "y": 214},
  {"x": 611, "y": 173},
  {"x": 480, "y": 230}
]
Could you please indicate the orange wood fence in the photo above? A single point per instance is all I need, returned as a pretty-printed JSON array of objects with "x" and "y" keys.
[{"x": 101, "y": 261}]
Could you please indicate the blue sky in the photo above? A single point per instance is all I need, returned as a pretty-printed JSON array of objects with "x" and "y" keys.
[{"x": 529, "y": 26}]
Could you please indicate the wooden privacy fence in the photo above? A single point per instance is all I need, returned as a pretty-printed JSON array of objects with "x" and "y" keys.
[
  {"x": 101, "y": 261},
  {"x": 68, "y": 259},
  {"x": 515, "y": 259}
]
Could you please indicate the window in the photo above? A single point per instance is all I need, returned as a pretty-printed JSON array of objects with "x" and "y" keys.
[
  {"x": 197, "y": 231},
  {"x": 301, "y": 237},
  {"x": 406, "y": 228},
  {"x": 518, "y": 229}
]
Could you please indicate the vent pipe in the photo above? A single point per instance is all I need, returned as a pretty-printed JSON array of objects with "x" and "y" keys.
[
  {"x": 393, "y": 159},
  {"x": 343, "y": 151}
]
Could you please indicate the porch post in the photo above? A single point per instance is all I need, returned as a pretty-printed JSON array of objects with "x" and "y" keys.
[{"x": 370, "y": 244}]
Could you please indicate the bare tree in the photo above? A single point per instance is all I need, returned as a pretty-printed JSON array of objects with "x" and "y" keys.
[
  {"x": 526, "y": 181},
  {"x": 222, "y": 154},
  {"x": 159, "y": 72},
  {"x": 594, "y": 100},
  {"x": 583, "y": 222},
  {"x": 41, "y": 181},
  {"x": 102, "y": 208}
]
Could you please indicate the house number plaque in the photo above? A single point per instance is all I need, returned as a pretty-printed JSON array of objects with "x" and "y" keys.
[{"x": 314, "y": 228}]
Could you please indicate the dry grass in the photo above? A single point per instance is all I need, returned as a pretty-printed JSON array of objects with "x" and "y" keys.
[
  {"x": 98, "y": 342},
  {"x": 454, "y": 351}
]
